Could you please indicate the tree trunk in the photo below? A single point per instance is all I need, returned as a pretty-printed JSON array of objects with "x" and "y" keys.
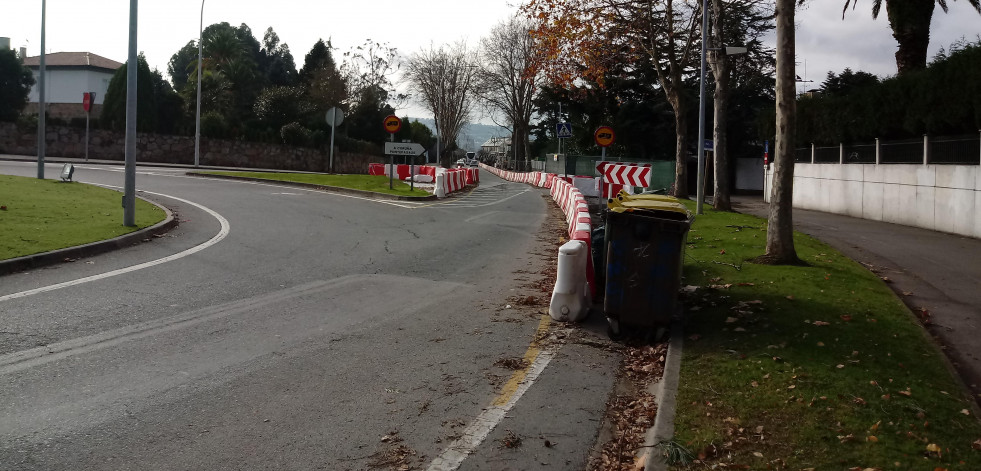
[
  {"x": 720, "y": 69},
  {"x": 910, "y": 23},
  {"x": 721, "y": 200},
  {"x": 681, "y": 151},
  {"x": 780, "y": 233}
]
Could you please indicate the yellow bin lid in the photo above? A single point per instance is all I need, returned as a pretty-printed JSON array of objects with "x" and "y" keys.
[{"x": 625, "y": 202}]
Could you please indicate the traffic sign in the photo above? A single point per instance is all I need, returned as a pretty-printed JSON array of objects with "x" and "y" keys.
[
  {"x": 87, "y": 99},
  {"x": 335, "y": 116},
  {"x": 410, "y": 149},
  {"x": 604, "y": 136},
  {"x": 709, "y": 144},
  {"x": 563, "y": 130},
  {"x": 392, "y": 124},
  {"x": 627, "y": 174}
]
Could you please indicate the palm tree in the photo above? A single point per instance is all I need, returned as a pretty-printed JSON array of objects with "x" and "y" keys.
[{"x": 910, "y": 23}]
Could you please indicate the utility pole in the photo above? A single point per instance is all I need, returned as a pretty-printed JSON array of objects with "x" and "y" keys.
[
  {"x": 129, "y": 188},
  {"x": 40, "y": 102}
]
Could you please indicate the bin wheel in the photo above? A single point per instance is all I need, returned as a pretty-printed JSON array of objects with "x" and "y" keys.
[{"x": 613, "y": 329}]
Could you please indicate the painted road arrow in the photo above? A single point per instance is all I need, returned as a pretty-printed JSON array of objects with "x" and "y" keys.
[{"x": 403, "y": 148}]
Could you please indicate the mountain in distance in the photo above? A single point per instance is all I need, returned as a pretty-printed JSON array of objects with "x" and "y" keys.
[{"x": 472, "y": 135}]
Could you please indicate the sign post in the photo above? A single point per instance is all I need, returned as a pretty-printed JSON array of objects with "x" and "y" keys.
[
  {"x": 392, "y": 125},
  {"x": 87, "y": 99},
  {"x": 335, "y": 116}
]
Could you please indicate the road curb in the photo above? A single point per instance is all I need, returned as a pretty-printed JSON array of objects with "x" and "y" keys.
[
  {"x": 43, "y": 259},
  {"x": 666, "y": 395},
  {"x": 329, "y": 189}
]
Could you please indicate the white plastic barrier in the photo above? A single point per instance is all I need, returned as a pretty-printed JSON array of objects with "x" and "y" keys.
[
  {"x": 440, "y": 188},
  {"x": 571, "y": 296}
]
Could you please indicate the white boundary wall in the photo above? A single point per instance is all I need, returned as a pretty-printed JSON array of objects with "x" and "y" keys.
[{"x": 944, "y": 198}]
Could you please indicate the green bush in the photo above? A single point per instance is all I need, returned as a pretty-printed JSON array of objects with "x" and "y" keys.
[
  {"x": 214, "y": 125},
  {"x": 295, "y": 134}
]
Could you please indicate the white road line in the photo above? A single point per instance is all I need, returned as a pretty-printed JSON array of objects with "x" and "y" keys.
[
  {"x": 214, "y": 240},
  {"x": 453, "y": 456}
]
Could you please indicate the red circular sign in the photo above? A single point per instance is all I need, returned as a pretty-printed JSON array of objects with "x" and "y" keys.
[
  {"x": 392, "y": 123},
  {"x": 604, "y": 136},
  {"x": 87, "y": 101}
]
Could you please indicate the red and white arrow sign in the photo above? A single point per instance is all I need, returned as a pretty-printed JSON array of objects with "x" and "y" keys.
[
  {"x": 601, "y": 165},
  {"x": 627, "y": 174}
]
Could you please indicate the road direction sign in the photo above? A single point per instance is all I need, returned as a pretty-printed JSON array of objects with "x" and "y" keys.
[
  {"x": 410, "y": 149},
  {"x": 604, "y": 136},
  {"x": 392, "y": 124},
  {"x": 563, "y": 130}
]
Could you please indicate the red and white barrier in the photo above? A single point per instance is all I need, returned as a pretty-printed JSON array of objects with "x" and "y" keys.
[{"x": 569, "y": 199}]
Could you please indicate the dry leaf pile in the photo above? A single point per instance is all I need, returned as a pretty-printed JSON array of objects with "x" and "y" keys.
[{"x": 631, "y": 415}]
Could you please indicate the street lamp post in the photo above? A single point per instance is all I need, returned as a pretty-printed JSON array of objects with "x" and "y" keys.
[
  {"x": 197, "y": 115},
  {"x": 40, "y": 102},
  {"x": 700, "y": 183}
]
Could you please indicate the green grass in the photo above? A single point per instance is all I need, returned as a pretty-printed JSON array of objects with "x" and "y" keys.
[
  {"x": 375, "y": 183},
  {"x": 816, "y": 367},
  {"x": 44, "y": 215}
]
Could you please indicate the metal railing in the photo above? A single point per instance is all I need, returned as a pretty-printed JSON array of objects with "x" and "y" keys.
[{"x": 952, "y": 150}]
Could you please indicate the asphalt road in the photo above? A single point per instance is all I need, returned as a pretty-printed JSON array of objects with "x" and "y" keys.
[{"x": 297, "y": 329}]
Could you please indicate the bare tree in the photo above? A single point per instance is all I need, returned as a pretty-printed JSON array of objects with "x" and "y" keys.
[
  {"x": 780, "y": 233},
  {"x": 509, "y": 78},
  {"x": 367, "y": 70},
  {"x": 446, "y": 80},
  {"x": 582, "y": 37}
]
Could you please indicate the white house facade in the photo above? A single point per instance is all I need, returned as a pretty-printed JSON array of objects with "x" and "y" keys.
[{"x": 68, "y": 75}]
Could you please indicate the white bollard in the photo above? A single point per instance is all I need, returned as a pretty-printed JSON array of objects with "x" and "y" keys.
[
  {"x": 440, "y": 190},
  {"x": 570, "y": 298}
]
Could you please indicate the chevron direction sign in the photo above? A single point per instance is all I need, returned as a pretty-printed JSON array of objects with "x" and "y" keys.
[{"x": 627, "y": 174}]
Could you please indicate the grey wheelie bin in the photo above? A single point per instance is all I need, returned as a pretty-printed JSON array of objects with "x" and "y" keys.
[{"x": 645, "y": 246}]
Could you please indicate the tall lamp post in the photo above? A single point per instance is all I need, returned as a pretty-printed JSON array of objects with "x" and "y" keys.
[
  {"x": 40, "y": 102},
  {"x": 700, "y": 182},
  {"x": 197, "y": 115}
]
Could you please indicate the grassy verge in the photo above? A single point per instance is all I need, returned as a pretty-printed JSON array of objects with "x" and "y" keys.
[
  {"x": 375, "y": 183},
  {"x": 809, "y": 368},
  {"x": 44, "y": 215}
]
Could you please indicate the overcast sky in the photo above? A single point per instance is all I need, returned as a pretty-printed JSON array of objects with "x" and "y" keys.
[{"x": 825, "y": 42}]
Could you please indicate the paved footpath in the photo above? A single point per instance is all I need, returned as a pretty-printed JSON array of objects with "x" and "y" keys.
[{"x": 942, "y": 271}]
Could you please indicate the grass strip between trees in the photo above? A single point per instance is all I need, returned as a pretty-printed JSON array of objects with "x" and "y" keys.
[
  {"x": 374, "y": 183},
  {"x": 818, "y": 367},
  {"x": 42, "y": 215}
]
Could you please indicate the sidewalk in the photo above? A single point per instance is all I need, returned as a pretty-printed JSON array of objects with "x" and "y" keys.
[{"x": 937, "y": 275}]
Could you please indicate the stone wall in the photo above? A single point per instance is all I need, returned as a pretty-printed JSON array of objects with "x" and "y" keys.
[{"x": 64, "y": 141}]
